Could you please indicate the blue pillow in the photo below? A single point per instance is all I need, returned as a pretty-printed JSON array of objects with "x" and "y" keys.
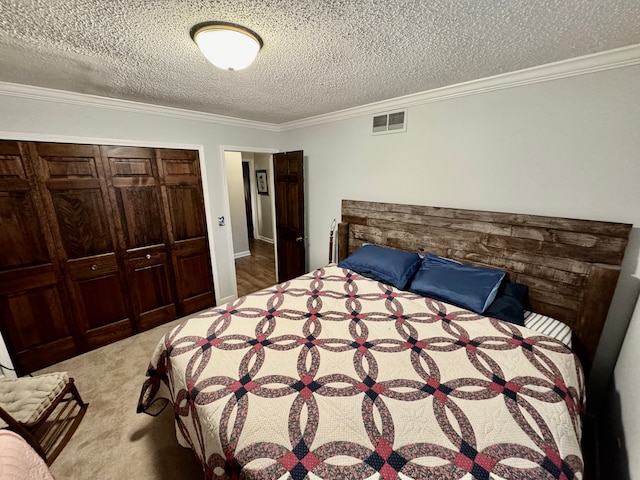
[
  {"x": 473, "y": 288},
  {"x": 510, "y": 303},
  {"x": 386, "y": 265}
]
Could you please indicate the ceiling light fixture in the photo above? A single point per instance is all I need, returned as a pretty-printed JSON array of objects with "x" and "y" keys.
[{"x": 226, "y": 45}]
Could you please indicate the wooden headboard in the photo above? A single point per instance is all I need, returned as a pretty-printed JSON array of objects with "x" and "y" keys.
[{"x": 571, "y": 266}]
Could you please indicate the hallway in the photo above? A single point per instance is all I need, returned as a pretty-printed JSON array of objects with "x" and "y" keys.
[{"x": 258, "y": 270}]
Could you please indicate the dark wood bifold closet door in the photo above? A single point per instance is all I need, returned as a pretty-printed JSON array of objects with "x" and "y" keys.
[
  {"x": 32, "y": 293},
  {"x": 97, "y": 243},
  {"x": 132, "y": 178},
  {"x": 74, "y": 190},
  {"x": 189, "y": 248}
]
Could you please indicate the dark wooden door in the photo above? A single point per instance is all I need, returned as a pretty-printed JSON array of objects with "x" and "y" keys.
[
  {"x": 134, "y": 188},
  {"x": 34, "y": 317},
  {"x": 289, "y": 200},
  {"x": 182, "y": 197},
  {"x": 72, "y": 183}
]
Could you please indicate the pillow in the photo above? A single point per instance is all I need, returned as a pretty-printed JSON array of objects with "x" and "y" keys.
[
  {"x": 473, "y": 288},
  {"x": 510, "y": 303},
  {"x": 393, "y": 267}
]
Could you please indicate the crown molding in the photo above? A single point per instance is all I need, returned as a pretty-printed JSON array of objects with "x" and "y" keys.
[
  {"x": 85, "y": 100},
  {"x": 597, "y": 62}
]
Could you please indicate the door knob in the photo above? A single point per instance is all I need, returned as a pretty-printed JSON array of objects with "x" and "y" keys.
[
  {"x": 298, "y": 239},
  {"x": 148, "y": 256}
]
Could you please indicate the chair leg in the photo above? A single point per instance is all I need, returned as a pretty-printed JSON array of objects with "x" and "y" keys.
[
  {"x": 75, "y": 393},
  {"x": 67, "y": 436},
  {"x": 75, "y": 396}
]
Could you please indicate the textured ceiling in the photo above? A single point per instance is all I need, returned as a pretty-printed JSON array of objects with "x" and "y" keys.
[{"x": 319, "y": 56}]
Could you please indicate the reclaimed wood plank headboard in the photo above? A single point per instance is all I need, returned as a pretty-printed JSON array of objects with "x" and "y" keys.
[{"x": 571, "y": 266}]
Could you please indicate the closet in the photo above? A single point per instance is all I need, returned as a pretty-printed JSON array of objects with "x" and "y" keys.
[{"x": 97, "y": 243}]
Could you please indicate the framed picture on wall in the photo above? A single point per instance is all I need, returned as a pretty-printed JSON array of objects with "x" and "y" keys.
[{"x": 261, "y": 181}]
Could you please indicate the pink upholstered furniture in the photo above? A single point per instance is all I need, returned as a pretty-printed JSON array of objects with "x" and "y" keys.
[{"x": 18, "y": 461}]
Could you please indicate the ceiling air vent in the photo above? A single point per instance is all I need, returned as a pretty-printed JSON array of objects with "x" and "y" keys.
[{"x": 389, "y": 122}]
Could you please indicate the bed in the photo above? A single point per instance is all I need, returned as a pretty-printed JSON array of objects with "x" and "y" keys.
[{"x": 334, "y": 375}]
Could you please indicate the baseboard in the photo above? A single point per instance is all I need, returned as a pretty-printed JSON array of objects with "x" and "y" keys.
[
  {"x": 7, "y": 374},
  {"x": 242, "y": 254},
  {"x": 225, "y": 300},
  {"x": 265, "y": 239}
]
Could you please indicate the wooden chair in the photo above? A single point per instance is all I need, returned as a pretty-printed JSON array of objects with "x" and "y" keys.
[{"x": 45, "y": 410}]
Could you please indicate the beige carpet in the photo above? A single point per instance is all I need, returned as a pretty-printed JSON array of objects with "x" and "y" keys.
[{"x": 113, "y": 441}]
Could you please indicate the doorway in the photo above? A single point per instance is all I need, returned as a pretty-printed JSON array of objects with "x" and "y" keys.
[{"x": 252, "y": 219}]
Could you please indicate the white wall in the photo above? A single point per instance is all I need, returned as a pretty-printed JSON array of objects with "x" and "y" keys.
[
  {"x": 5, "y": 360},
  {"x": 626, "y": 402},
  {"x": 237, "y": 209},
  {"x": 28, "y": 118},
  {"x": 568, "y": 147},
  {"x": 265, "y": 209}
]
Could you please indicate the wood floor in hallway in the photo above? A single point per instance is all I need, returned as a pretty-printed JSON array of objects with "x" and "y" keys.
[{"x": 258, "y": 270}]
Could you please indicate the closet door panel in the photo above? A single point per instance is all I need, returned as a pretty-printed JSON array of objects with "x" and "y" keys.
[
  {"x": 41, "y": 314},
  {"x": 21, "y": 240},
  {"x": 82, "y": 220},
  {"x": 153, "y": 296},
  {"x": 37, "y": 328},
  {"x": 140, "y": 214},
  {"x": 194, "y": 272},
  {"x": 75, "y": 194},
  {"x": 132, "y": 176},
  {"x": 187, "y": 211},
  {"x": 181, "y": 187},
  {"x": 33, "y": 318},
  {"x": 99, "y": 297}
]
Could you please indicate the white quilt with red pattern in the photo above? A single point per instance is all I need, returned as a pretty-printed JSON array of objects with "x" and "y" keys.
[{"x": 335, "y": 376}]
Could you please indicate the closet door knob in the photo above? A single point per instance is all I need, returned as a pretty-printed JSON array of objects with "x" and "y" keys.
[
  {"x": 148, "y": 256},
  {"x": 94, "y": 267},
  {"x": 298, "y": 239}
]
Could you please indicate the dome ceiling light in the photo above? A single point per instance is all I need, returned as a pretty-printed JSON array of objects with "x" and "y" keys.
[{"x": 226, "y": 45}]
